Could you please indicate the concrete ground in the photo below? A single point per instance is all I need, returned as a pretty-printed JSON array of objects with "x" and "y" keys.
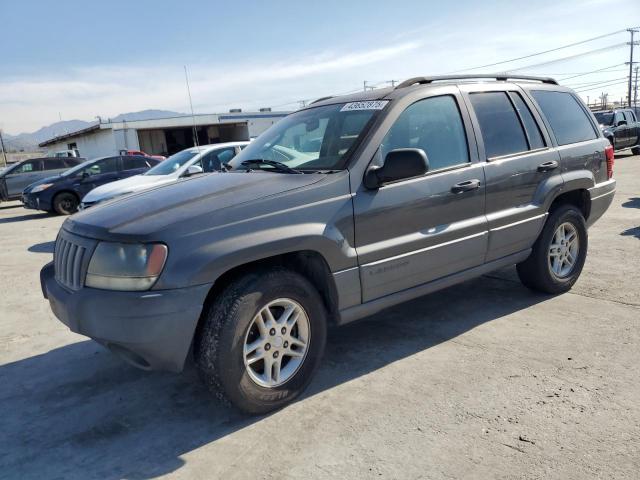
[{"x": 483, "y": 380}]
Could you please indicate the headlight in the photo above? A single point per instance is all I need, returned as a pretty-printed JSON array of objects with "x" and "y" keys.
[
  {"x": 126, "y": 266},
  {"x": 40, "y": 188}
]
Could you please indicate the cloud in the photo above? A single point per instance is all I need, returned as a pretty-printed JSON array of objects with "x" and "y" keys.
[{"x": 28, "y": 103}]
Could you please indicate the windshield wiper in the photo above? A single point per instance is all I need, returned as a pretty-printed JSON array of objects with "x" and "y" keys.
[{"x": 279, "y": 166}]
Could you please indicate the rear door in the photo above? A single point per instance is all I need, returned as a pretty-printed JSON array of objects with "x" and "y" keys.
[
  {"x": 632, "y": 128},
  {"x": 621, "y": 130},
  {"x": 519, "y": 162},
  {"x": 20, "y": 178},
  {"x": 98, "y": 173},
  {"x": 417, "y": 230}
]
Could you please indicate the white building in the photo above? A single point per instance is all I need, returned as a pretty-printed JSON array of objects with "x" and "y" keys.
[{"x": 163, "y": 136}]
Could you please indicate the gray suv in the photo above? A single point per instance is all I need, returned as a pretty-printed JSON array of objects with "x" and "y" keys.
[{"x": 344, "y": 208}]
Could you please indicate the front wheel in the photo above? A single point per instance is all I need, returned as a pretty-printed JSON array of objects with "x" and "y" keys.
[
  {"x": 262, "y": 339},
  {"x": 558, "y": 254},
  {"x": 65, "y": 203}
]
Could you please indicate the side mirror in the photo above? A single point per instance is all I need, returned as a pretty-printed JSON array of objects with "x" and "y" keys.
[
  {"x": 399, "y": 164},
  {"x": 622, "y": 122},
  {"x": 193, "y": 170},
  {"x": 84, "y": 175}
]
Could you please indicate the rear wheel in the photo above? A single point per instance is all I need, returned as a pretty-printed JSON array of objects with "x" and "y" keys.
[
  {"x": 262, "y": 340},
  {"x": 558, "y": 254},
  {"x": 635, "y": 150},
  {"x": 65, "y": 203}
]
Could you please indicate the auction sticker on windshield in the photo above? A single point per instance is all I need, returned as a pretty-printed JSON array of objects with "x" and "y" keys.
[{"x": 370, "y": 105}]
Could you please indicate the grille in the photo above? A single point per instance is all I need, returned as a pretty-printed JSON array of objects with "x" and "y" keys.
[{"x": 71, "y": 259}]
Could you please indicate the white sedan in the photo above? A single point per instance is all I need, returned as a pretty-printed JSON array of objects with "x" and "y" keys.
[{"x": 192, "y": 161}]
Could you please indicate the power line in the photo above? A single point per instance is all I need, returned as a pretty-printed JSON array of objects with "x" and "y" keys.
[
  {"x": 598, "y": 87},
  {"x": 541, "y": 53},
  {"x": 593, "y": 82},
  {"x": 571, "y": 57},
  {"x": 594, "y": 71}
]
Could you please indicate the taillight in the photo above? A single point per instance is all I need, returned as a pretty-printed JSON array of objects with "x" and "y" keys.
[{"x": 608, "y": 151}]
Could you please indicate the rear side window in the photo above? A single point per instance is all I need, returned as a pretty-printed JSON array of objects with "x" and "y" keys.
[
  {"x": 501, "y": 128},
  {"x": 434, "y": 125},
  {"x": 213, "y": 161},
  {"x": 70, "y": 162},
  {"x": 134, "y": 162},
  {"x": 530, "y": 126},
  {"x": 568, "y": 120},
  {"x": 54, "y": 164}
]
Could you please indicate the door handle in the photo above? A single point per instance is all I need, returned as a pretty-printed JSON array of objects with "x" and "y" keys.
[
  {"x": 548, "y": 166},
  {"x": 466, "y": 186}
]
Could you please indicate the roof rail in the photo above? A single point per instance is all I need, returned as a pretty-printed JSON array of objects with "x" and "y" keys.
[
  {"x": 321, "y": 99},
  {"x": 499, "y": 77}
]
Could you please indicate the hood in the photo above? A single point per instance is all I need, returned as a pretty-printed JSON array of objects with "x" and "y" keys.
[
  {"x": 201, "y": 199},
  {"x": 126, "y": 185}
]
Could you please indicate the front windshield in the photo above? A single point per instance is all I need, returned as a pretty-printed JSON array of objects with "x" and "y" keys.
[
  {"x": 604, "y": 118},
  {"x": 173, "y": 163},
  {"x": 313, "y": 139}
]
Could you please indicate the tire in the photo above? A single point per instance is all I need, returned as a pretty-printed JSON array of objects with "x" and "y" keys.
[
  {"x": 230, "y": 322},
  {"x": 635, "y": 150},
  {"x": 65, "y": 203},
  {"x": 537, "y": 271}
]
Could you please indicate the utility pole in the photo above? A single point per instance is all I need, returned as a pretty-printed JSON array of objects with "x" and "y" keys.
[
  {"x": 635, "y": 90},
  {"x": 393, "y": 82},
  {"x": 4, "y": 152},
  {"x": 632, "y": 31},
  {"x": 303, "y": 103}
]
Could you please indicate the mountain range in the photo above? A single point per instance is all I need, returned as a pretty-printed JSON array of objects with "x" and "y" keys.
[{"x": 29, "y": 141}]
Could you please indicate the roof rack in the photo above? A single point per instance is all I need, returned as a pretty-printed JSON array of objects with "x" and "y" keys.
[
  {"x": 321, "y": 99},
  {"x": 500, "y": 78}
]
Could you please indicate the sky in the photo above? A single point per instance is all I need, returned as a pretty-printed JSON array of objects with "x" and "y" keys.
[{"x": 77, "y": 59}]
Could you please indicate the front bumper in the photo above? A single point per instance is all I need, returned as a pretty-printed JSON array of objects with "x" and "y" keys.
[
  {"x": 152, "y": 330},
  {"x": 601, "y": 196},
  {"x": 34, "y": 202}
]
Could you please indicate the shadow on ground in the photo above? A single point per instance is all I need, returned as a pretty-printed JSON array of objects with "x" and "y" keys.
[
  {"x": 78, "y": 412},
  {"x": 631, "y": 232},
  {"x": 6, "y": 207},
  {"x": 632, "y": 203},
  {"x": 20, "y": 218},
  {"x": 44, "y": 247}
]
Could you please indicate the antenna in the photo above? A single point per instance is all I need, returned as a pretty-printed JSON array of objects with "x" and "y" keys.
[{"x": 193, "y": 117}]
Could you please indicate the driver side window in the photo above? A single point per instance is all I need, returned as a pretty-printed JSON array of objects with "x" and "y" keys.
[
  {"x": 108, "y": 165},
  {"x": 433, "y": 125}
]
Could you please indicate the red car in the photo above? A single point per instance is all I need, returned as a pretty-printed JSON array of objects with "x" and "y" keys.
[{"x": 142, "y": 154}]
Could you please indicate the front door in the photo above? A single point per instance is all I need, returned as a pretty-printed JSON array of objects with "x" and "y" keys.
[
  {"x": 417, "y": 230},
  {"x": 98, "y": 173}
]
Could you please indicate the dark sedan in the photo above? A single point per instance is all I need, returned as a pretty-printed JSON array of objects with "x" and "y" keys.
[{"x": 62, "y": 193}]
